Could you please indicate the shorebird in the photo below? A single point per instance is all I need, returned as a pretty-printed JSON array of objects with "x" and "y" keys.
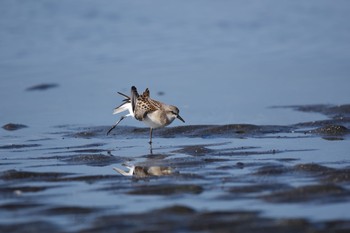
[{"x": 153, "y": 113}]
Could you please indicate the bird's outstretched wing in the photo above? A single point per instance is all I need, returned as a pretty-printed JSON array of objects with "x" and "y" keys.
[{"x": 123, "y": 106}]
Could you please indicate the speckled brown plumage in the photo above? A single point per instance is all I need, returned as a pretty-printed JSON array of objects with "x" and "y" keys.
[{"x": 144, "y": 104}]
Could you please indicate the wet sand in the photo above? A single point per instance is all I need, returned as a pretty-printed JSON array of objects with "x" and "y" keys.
[{"x": 197, "y": 178}]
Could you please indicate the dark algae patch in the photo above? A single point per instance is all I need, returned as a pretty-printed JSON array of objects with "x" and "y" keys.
[
  {"x": 33, "y": 176},
  {"x": 167, "y": 190},
  {"x": 13, "y": 126},
  {"x": 69, "y": 210},
  {"x": 333, "y": 111},
  {"x": 42, "y": 87},
  {"x": 185, "y": 219},
  {"x": 336, "y": 130},
  {"x": 321, "y": 194},
  {"x": 31, "y": 227},
  {"x": 18, "y": 146}
]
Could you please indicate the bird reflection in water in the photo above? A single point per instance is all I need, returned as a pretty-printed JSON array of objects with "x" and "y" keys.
[{"x": 144, "y": 171}]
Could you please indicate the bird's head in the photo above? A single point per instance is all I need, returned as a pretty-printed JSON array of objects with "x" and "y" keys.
[{"x": 172, "y": 112}]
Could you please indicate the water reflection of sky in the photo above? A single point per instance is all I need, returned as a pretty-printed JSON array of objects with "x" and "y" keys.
[{"x": 220, "y": 62}]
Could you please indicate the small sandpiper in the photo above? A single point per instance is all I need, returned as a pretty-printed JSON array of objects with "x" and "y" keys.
[{"x": 153, "y": 113}]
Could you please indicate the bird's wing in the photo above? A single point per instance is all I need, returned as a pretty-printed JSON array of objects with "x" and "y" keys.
[
  {"x": 123, "y": 106},
  {"x": 145, "y": 105},
  {"x": 146, "y": 93},
  {"x": 156, "y": 104},
  {"x": 126, "y": 97},
  {"x": 134, "y": 96}
]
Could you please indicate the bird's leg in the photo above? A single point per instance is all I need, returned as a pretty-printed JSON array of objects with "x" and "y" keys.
[
  {"x": 150, "y": 135},
  {"x": 115, "y": 125},
  {"x": 150, "y": 141}
]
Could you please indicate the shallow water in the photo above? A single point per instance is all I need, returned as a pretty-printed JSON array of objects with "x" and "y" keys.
[
  {"x": 263, "y": 87},
  {"x": 287, "y": 173}
]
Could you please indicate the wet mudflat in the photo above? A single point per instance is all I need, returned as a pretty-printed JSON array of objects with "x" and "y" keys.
[{"x": 195, "y": 178}]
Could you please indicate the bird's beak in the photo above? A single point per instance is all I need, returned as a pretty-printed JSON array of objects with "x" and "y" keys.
[{"x": 180, "y": 118}]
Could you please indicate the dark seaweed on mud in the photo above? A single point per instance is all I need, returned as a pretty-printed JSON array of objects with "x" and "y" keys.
[
  {"x": 180, "y": 218},
  {"x": 200, "y": 131},
  {"x": 338, "y": 123},
  {"x": 332, "y": 111},
  {"x": 13, "y": 126},
  {"x": 18, "y": 146}
]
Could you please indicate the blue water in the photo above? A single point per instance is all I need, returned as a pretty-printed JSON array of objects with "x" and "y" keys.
[{"x": 219, "y": 62}]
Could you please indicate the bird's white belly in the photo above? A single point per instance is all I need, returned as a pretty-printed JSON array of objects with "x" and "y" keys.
[{"x": 153, "y": 123}]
